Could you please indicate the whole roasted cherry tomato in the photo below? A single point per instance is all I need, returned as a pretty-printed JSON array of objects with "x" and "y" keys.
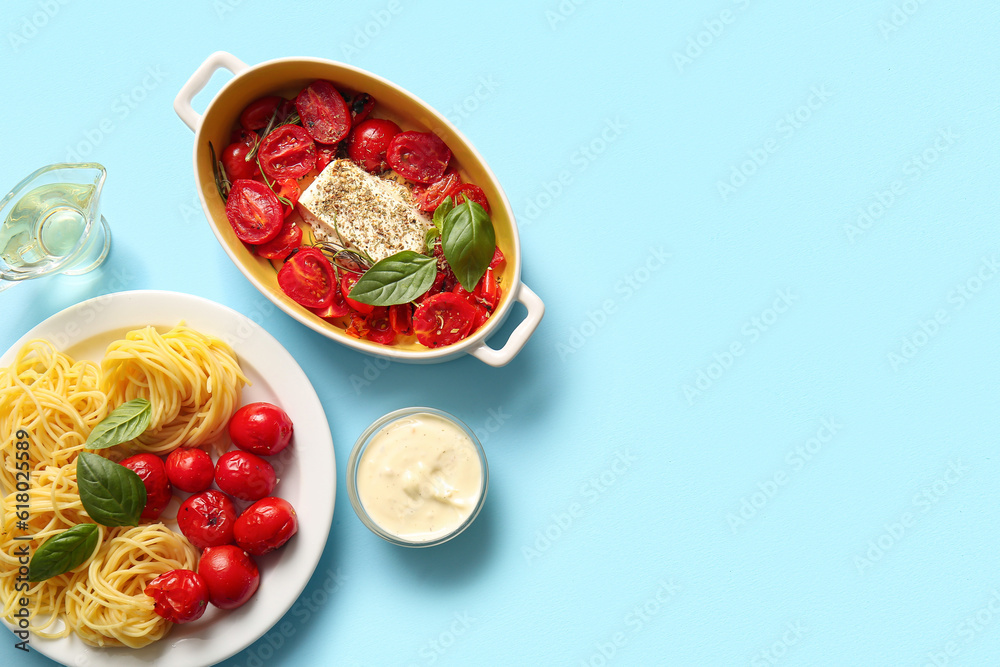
[
  {"x": 287, "y": 152},
  {"x": 472, "y": 193},
  {"x": 261, "y": 428},
  {"x": 257, "y": 114},
  {"x": 380, "y": 326},
  {"x": 180, "y": 596},
  {"x": 324, "y": 112},
  {"x": 190, "y": 469},
  {"x": 435, "y": 193},
  {"x": 369, "y": 141},
  {"x": 234, "y": 160},
  {"x": 244, "y": 475},
  {"x": 443, "y": 319},
  {"x": 153, "y": 474},
  {"x": 419, "y": 156},
  {"x": 207, "y": 519},
  {"x": 283, "y": 244},
  {"x": 254, "y": 212},
  {"x": 361, "y": 106},
  {"x": 265, "y": 526},
  {"x": 308, "y": 278},
  {"x": 347, "y": 282},
  {"x": 230, "y": 574}
]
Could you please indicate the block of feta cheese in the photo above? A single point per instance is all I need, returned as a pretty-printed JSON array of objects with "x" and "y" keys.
[{"x": 375, "y": 214}]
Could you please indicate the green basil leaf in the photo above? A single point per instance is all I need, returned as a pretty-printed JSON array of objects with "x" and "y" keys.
[
  {"x": 63, "y": 552},
  {"x": 129, "y": 420},
  {"x": 400, "y": 278},
  {"x": 430, "y": 236},
  {"x": 468, "y": 240},
  {"x": 442, "y": 211},
  {"x": 112, "y": 494}
]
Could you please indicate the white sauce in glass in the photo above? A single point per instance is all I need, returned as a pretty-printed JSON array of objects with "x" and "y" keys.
[{"x": 420, "y": 477}]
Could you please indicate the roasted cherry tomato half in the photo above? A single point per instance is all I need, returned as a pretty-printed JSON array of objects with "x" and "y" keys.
[
  {"x": 325, "y": 154},
  {"x": 479, "y": 319},
  {"x": 361, "y": 106},
  {"x": 418, "y": 156},
  {"x": 235, "y": 163},
  {"x": 435, "y": 193},
  {"x": 324, "y": 112},
  {"x": 472, "y": 193},
  {"x": 487, "y": 291},
  {"x": 401, "y": 318},
  {"x": 284, "y": 243},
  {"x": 230, "y": 574},
  {"x": 261, "y": 428},
  {"x": 190, "y": 469},
  {"x": 380, "y": 326},
  {"x": 443, "y": 319},
  {"x": 207, "y": 519},
  {"x": 347, "y": 282},
  {"x": 265, "y": 526},
  {"x": 180, "y": 596},
  {"x": 369, "y": 141},
  {"x": 308, "y": 278},
  {"x": 290, "y": 190},
  {"x": 244, "y": 475},
  {"x": 253, "y": 211},
  {"x": 499, "y": 261},
  {"x": 287, "y": 152},
  {"x": 337, "y": 307},
  {"x": 153, "y": 474},
  {"x": 258, "y": 113}
]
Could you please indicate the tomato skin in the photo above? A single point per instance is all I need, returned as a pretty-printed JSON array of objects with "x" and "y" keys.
[
  {"x": 244, "y": 475},
  {"x": 190, "y": 469},
  {"x": 499, "y": 261},
  {"x": 325, "y": 154},
  {"x": 435, "y": 193},
  {"x": 257, "y": 114},
  {"x": 418, "y": 156},
  {"x": 324, "y": 112},
  {"x": 230, "y": 574},
  {"x": 153, "y": 474},
  {"x": 487, "y": 291},
  {"x": 207, "y": 519},
  {"x": 443, "y": 319},
  {"x": 265, "y": 526},
  {"x": 337, "y": 307},
  {"x": 253, "y": 211},
  {"x": 361, "y": 106},
  {"x": 347, "y": 282},
  {"x": 358, "y": 326},
  {"x": 380, "y": 326},
  {"x": 283, "y": 244},
  {"x": 479, "y": 319},
  {"x": 180, "y": 596},
  {"x": 290, "y": 190},
  {"x": 287, "y": 152},
  {"x": 235, "y": 163},
  {"x": 472, "y": 193},
  {"x": 401, "y": 318},
  {"x": 369, "y": 142},
  {"x": 308, "y": 278},
  {"x": 261, "y": 428}
]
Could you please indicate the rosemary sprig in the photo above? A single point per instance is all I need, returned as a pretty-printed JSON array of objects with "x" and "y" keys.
[{"x": 222, "y": 183}]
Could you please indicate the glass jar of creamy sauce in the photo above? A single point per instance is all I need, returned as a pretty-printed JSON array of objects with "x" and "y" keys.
[{"x": 417, "y": 477}]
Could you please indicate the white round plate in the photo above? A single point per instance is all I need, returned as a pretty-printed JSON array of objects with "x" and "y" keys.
[{"x": 306, "y": 470}]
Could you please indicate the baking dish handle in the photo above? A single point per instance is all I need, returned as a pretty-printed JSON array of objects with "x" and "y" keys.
[
  {"x": 519, "y": 336},
  {"x": 201, "y": 76}
]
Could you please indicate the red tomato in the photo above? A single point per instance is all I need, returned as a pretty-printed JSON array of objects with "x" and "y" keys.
[
  {"x": 190, "y": 469},
  {"x": 361, "y": 106},
  {"x": 290, "y": 190},
  {"x": 487, "y": 291},
  {"x": 499, "y": 261},
  {"x": 253, "y": 211},
  {"x": 472, "y": 193},
  {"x": 284, "y": 243},
  {"x": 346, "y": 283},
  {"x": 244, "y": 475},
  {"x": 380, "y": 326},
  {"x": 207, "y": 519},
  {"x": 230, "y": 574},
  {"x": 419, "y": 156},
  {"x": 435, "y": 193},
  {"x": 180, "y": 596},
  {"x": 243, "y": 136},
  {"x": 153, "y": 474},
  {"x": 336, "y": 309},
  {"x": 257, "y": 114},
  {"x": 235, "y": 163},
  {"x": 401, "y": 318},
  {"x": 479, "y": 319},
  {"x": 324, "y": 112},
  {"x": 265, "y": 526},
  {"x": 358, "y": 326},
  {"x": 288, "y": 152},
  {"x": 443, "y": 319},
  {"x": 369, "y": 141},
  {"x": 325, "y": 154},
  {"x": 261, "y": 428},
  {"x": 308, "y": 278}
]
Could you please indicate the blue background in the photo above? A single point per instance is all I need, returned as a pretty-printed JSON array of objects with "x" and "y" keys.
[{"x": 775, "y": 446}]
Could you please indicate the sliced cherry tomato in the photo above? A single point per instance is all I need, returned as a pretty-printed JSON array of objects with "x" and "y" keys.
[
  {"x": 347, "y": 281},
  {"x": 235, "y": 163},
  {"x": 290, "y": 190},
  {"x": 257, "y": 114},
  {"x": 369, "y": 141},
  {"x": 324, "y": 112},
  {"x": 325, "y": 154},
  {"x": 261, "y": 428},
  {"x": 253, "y": 211},
  {"x": 479, "y": 319},
  {"x": 180, "y": 596},
  {"x": 265, "y": 526},
  {"x": 288, "y": 152},
  {"x": 487, "y": 291},
  {"x": 358, "y": 326},
  {"x": 472, "y": 193},
  {"x": 361, "y": 106},
  {"x": 207, "y": 518},
  {"x": 419, "y": 156},
  {"x": 443, "y": 319},
  {"x": 380, "y": 326},
  {"x": 308, "y": 278},
  {"x": 152, "y": 472},
  {"x": 499, "y": 261},
  {"x": 337, "y": 307},
  {"x": 401, "y": 318},
  {"x": 230, "y": 574},
  {"x": 190, "y": 469},
  {"x": 431, "y": 197},
  {"x": 283, "y": 244}
]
